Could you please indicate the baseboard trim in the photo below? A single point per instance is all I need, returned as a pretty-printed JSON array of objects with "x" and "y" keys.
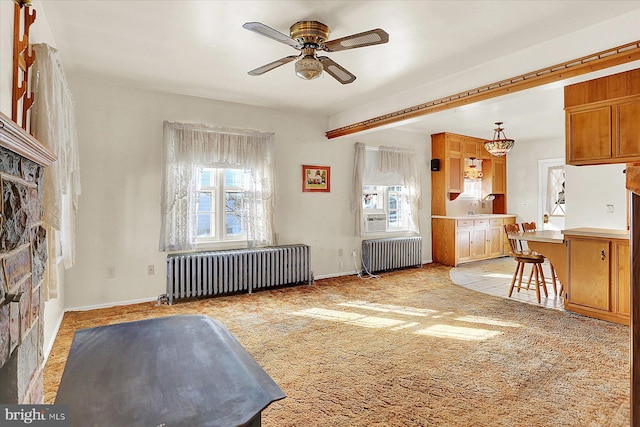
[
  {"x": 49, "y": 347},
  {"x": 110, "y": 304}
]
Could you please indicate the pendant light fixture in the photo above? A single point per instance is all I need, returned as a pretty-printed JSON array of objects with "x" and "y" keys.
[{"x": 500, "y": 144}]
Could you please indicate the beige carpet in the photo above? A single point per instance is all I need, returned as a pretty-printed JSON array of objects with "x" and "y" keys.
[{"x": 410, "y": 349}]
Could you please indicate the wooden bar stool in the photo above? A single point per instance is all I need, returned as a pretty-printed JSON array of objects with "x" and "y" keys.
[
  {"x": 523, "y": 257},
  {"x": 531, "y": 226}
]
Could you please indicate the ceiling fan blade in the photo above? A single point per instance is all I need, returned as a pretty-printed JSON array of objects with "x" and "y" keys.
[
  {"x": 275, "y": 64},
  {"x": 367, "y": 38},
  {"x": 336, "y": 71},
  {"x": 263, "y": 30}
]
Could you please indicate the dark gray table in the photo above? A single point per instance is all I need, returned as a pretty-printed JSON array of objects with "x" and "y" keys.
[{"x": 170, "y": 371}]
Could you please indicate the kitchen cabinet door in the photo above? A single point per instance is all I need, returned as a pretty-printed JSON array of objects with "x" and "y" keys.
[
  {"x": 622, "y": 289},
  {"x": 627, "y": 116},
  {"x": 499, "y": 176},
  {"x": 455, "y": 170},
  {"x": 589, "y": 273},
  {"x": 589, "y": 135},
  {"x": 480, "y": 242},
  {"x": 463, "y": 244},
  {"x": 496, "y": 245}
]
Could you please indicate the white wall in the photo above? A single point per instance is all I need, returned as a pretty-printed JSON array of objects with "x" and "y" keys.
[
  {"x": 118, "y": 222},
  {"x": 589, "y": 189}
]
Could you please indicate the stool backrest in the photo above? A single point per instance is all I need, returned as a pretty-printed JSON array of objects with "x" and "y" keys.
[
  {"x": 528, "y": 226},
  {"x": 516, "y": 246}
]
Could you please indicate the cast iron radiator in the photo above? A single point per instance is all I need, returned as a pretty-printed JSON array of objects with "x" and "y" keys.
[
  {"x": 391, "y": 253},
  {"x": 200, "y": 274}
]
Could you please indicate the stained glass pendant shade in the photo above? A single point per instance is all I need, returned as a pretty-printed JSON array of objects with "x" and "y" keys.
[{"x": 500, "y": 144}]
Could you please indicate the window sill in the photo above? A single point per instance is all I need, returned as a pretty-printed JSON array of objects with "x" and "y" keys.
[
  {"x": 215, "y": 246},
  {"x": 394, "y": 233}
]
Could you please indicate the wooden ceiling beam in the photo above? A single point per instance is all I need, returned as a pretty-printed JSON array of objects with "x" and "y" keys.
[{"x": 608, "y": 58}]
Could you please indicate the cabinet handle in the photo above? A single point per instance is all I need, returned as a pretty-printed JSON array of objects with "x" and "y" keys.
[{"x": 602, "y": 255}]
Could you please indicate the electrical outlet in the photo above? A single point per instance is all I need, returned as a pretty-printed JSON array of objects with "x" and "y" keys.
[
  {"x": 111, "y": 272},
  {"x": 151, "y": 269},
  {"x": 609, "y": 208},
  {"x": 353, "y": 253}
]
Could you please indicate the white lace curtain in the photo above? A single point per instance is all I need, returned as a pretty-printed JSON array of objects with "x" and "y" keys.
[
  {"x": 385, "y": 166},
  {"x": 189, "y": 147},
  {"x": 53, "y": 124}
]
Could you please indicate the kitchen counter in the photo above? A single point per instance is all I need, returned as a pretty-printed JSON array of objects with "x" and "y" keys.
[
  {"x": 476, "y": 216},
  {"x": 604, "y": 233}
]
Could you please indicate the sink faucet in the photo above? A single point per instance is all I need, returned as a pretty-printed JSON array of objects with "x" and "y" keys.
[{"x": 471, "y": 211}]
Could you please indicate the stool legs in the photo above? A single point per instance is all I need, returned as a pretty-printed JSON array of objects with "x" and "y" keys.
[{"x": 537, "y": 275}]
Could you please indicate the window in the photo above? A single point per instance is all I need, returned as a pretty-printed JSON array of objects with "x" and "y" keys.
[
  {"x": 386, "y": 190},
  {"x": 387, "y": 207},
  {"x": 219, "y": 205},
  {"x": 555, "y": 191},
  {"x": 472, "y": 179}
]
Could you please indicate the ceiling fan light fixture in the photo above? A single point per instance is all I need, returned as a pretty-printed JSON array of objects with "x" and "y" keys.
[
  {"x": 500, "y": 144},
  {"x": 308, "y": 68}
]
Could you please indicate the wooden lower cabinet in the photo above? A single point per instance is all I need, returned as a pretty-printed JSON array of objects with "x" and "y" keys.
[
  {"x": 496, "y": 240},
  {"x": 456, "y": 241},
  {"x": 599, "y": 278}
]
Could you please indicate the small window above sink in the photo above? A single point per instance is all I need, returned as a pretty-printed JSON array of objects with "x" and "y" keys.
[{"x": 472, "y": 179}]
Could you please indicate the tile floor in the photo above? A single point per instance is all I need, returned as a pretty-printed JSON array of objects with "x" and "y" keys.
[{"x": 494, "y": 277}]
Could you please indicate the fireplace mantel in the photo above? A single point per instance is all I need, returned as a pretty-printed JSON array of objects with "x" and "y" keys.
[{"x": 16, "y": 139}]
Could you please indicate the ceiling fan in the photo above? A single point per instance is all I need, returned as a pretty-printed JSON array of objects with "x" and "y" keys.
[{"x": 309, "y": 37}]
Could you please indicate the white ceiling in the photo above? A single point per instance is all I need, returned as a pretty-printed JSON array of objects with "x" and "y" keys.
[{"x": 200, "y": 48}]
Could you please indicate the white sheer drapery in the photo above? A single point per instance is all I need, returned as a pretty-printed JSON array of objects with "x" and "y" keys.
[
  {"x": 53, "y": 124},
  {"x": 358, "y": 182},
  {"x": 189, "y": 147},
  {"x": 403, "y": 162},
  {"x": 385, "y": 166}
]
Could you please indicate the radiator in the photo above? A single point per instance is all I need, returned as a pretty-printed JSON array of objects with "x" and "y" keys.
[
  {"x": 391, "y": 253},
  {"x": 201, "y": 274}
]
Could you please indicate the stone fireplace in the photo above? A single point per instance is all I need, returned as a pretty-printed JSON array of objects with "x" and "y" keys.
[{"x": 23, "y": 257}]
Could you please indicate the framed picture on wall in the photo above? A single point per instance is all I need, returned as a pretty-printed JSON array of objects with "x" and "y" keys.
[{"x": 316, "y": 178}]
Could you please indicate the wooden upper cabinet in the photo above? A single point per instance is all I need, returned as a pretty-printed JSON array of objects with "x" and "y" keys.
[
  {"x": 471, "y": 149},
  {"x": 447, "y": 183},
  {"x": 495, "y": 176},
  {"x": 455, "y": 173},
  {"x": 499, "y": 176},
  {"x": 603, "y": 120},
  {"x": 627, "y": 114},
  {"x": 589, "y": 134}
]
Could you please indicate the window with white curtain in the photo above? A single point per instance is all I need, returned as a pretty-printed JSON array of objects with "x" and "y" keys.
[
  {"x": 217, "y": 187},
  {"x": 54, "y": 125},
  {"x": 386, "y": 190}
]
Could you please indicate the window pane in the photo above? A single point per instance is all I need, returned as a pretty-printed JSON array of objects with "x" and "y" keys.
[
  {"x": 205, "y": 209},
  {"x": 233, "y": 178},
  {"x": 204, "y": 225},
  {"x": 372, "y": 197},
  {"x": 398, "y": 208},
  {"x": 370, "y": 201},
  {"x": 233, "y": 213},
  {"x": 205, "y": 178},
  {"x": 204, "y": 201}
]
